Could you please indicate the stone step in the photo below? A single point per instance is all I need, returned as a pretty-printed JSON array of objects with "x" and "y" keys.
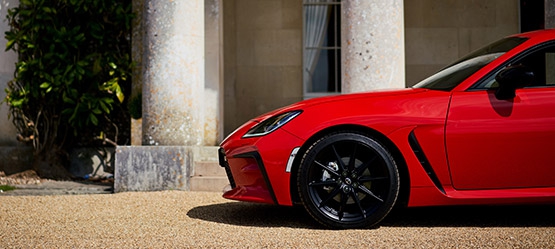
[
  {"x": 208, "y": 168},
  {"x": 205, "y": 153},
  {"x": 208, "y": 175},
  {"x": 208, "y": 183}
]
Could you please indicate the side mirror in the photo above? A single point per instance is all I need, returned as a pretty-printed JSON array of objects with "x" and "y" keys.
[{"x": 512, "y": 78}]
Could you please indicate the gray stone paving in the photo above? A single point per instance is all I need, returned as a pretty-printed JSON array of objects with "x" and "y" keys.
[{"x": 49, "y": 187}]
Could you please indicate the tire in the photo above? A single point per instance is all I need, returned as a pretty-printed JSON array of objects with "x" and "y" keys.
[{"x": 348, "y": 180}]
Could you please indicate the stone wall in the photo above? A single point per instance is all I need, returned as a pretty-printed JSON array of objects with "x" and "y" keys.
[
  {"x": 263, "y": 57},
  {"x": 437, "y": 32}
]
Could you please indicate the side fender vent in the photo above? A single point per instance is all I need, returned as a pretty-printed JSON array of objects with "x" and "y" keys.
[{"x": 424, "y": 161}]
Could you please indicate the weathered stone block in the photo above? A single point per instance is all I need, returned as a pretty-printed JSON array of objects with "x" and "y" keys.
[{"x": 152, "y": 168}]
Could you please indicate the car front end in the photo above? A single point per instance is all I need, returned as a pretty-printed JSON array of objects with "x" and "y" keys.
[
  {"x": 255, "y": 166},
  {"x": 262, "y": 155}
]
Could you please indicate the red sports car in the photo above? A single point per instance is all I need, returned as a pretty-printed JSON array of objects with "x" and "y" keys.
[{"x": 480, "y": 131}]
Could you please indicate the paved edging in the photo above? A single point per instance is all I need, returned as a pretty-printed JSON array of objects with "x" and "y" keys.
[{"x": 49, "y": 187}]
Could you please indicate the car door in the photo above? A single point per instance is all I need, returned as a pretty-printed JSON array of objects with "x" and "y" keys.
[{"x": 493, "y": 144}]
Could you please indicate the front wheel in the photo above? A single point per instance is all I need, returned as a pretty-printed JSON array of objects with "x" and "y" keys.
[{"x": 348, "y": 180}]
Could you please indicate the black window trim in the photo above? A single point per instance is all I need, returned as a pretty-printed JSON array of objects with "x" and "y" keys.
[{"x": 475, "y": 86}]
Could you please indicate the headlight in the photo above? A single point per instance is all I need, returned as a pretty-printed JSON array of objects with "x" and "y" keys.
[{"x": 271, "y": 124}]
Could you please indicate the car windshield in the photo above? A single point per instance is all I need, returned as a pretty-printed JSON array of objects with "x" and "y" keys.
[{"x": 454, "y": 74}]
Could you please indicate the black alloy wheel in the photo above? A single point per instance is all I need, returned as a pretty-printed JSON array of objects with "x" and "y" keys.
[{"x": 348, "y": 180}]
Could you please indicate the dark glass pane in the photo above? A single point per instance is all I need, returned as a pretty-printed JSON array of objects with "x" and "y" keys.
[
  {"x": 326, "y": 76},
  {"x": 333, "y": 31},
  {"x": 321, "y": 76},
  {"x": 531, "y": 15},
  {"x": 338, "y": 70}
]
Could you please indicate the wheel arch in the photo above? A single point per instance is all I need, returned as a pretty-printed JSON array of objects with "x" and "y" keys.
[{"x": 404, "y": 191}]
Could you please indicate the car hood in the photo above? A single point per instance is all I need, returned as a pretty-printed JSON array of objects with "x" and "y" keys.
[
  {"x": 342, "y": 98},
  {"x": 354, "y": 96}
]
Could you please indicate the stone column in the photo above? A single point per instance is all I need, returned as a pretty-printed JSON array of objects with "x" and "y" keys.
[
  {"x": 214, "y": 93},
  {"x": 173, "y": 72},
  {"x": 373, "y": 46},
  {"x": 137, "y": 74},
  {"x": 549, "y": 14}
]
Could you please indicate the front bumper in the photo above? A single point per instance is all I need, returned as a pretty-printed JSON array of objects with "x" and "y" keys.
[
  {"x": 248, "y": 178},
  {"x": 257, "y": 167}
]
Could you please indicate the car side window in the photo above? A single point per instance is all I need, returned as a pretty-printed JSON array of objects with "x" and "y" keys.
[{"x": 541, "y": 62}]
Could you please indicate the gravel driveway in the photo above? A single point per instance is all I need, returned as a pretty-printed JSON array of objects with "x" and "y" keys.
[{"x": 175, "y": 219}]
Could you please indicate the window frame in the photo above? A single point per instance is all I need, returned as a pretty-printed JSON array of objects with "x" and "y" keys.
[
  {"x": 484, "y": 82},
  {"x": 336, "y": 49}
]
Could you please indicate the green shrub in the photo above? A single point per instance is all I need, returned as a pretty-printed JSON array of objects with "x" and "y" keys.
[{"x": 72, "y": 72}]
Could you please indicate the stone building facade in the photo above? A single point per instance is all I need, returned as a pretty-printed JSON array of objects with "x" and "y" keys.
[
  {"x": 263, "y": 45},
  {"x": 204, "y": 67}
]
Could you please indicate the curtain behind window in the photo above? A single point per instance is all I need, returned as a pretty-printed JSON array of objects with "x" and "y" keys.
[{"x": 316, "y": 22}]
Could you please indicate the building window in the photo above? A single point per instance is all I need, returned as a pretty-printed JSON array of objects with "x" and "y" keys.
[
  {"x": 531, "y": 15},
  {"x": 322, "y": 47}
]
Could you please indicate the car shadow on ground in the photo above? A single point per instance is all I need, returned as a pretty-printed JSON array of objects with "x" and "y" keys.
[
  {"x": 262, "y": 215},
  {"x": 473, "y": 216},
  {"x": 254, "y": 215}
]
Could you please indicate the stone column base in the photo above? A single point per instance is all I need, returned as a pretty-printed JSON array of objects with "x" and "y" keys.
[{"x": 155, "y": 168}]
